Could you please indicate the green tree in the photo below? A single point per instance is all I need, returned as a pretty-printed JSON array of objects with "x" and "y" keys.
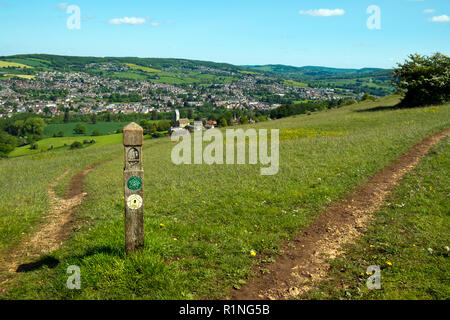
[
  {"x": 17, "y": 128},
  {"x": 154, "y": 115},
  {"x": 424, "y": 80},
  {"x": 66, "y": 115},
  {"x": 94, "y": 118},
  {"x": 47, "y": 111},
  {"x": 164, "y": 125},
  {"x": 7, "y": 143},
  {"x": 33, "y": 128},
  {"x": 244, "y": 120},
  {"x": 223, "y": 122},
  {"x": 80, "y": 129}
]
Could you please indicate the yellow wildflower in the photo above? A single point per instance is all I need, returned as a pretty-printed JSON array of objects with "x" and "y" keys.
[
  {"x": 253, "y": 253},
  {"x": 389, "y": 263}
]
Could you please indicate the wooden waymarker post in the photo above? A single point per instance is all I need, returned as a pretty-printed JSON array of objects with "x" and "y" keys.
[{"x": 133, "y": 180}]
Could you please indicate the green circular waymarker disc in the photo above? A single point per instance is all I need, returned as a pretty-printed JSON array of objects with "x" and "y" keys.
[{"x": 134, "y": 183}]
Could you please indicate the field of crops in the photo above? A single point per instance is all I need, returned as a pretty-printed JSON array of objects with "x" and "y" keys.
[
  {"x": 146, "y": 69},
  {"x": 202, "y": 222},
  {"x": 8, "y": 64}
]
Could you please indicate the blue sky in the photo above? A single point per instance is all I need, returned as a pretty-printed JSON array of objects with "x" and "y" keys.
[{"x": 239, "y": 32}]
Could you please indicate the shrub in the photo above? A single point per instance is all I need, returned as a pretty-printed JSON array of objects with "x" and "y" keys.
[
  {"x": 158, "y": 135},
  {"x": 96, "y": 133},
  {"x": 80, "y": 129},
  {"x": 58, "y": 134},
  {"x": 76, "y": 145},
  {"x": 368, "y": 97},
  {"x": 34, "y": 146},
  {"x": 7, "y": 143},
  {"x": 244, "y": 120},
  {"x": 423, "y": 80},
  {"x": 163, "y": 125},
  {"x": 223, "y": 122},
  {"x": 348, "y": 102}
]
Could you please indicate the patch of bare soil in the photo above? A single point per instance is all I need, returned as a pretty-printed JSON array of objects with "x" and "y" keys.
[
  {"x": 55, "y": 230},
  {"x": 303, "y": 263}
]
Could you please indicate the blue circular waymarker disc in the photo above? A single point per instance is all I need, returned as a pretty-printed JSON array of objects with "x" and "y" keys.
[{"x": 134, "y": 183}]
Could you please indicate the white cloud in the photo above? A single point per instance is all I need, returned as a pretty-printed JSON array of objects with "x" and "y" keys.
[
  {"x": 62, "y": 6},
  {"x": 156, "y": 24},
  {"x": 443, "y": 18},
  {"x": 127, "y": 20},
  {"x": 323, "y": 12},
  {"x": 429, "y": 11}
]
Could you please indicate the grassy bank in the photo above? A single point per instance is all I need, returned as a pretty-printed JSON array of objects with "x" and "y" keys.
[
  {"x": 63, "y": 144},
  {"x": 407, "y": 239},
  {"x": 104, "y": 128},
  {"x": 202, "y": 222}
]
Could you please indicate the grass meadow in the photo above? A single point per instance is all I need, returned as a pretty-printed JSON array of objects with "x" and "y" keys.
[
  {"x": 146, "y": 69},
  {"x": 63, "y": 144},
  {"x": 202, "y": 221},
  {"x": 103, "y": 127},
  {"x": 295, "y": 83},
  {"x": 409, "y": 240}
]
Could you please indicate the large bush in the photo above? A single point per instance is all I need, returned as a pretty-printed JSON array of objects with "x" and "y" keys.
[
  {"x": 80, "y": 129},
  {"x": 423, "y": 80},
  {"x": 76, "y": 145},
  {"x": 7, "y": 143}
]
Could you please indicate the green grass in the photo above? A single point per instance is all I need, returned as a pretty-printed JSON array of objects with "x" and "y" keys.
[
  {"x": 8, "y": 64},
  {"x": 213, "y": 216},
  {"x": 414, "y": 219},
  {"x": 295, "y": 83},
  {"x": 129, "y": 75},
  {"x": 24, "y": 182},
  {"x": 248, "y": 72},
  {"x": 30, "y": 62},
  {"x": 67, "y": 128},
  {"x": 62, "y": 144},
  {"x": 146, "y": 69},
  {"x": 22, "y": 76}
]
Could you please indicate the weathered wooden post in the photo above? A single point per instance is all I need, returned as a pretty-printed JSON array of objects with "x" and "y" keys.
[{"x": 133, "y": 178}]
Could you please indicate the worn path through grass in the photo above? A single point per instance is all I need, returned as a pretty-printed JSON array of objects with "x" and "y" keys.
[{"x": 304, "y": 261}]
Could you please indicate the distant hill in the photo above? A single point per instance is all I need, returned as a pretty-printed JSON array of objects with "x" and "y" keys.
[
  {"x": 79, "y": 63},
  {"x": 184, "y": 71},
  {"x": 314, "y": 71},
  {"x": 373, "y": 80}
]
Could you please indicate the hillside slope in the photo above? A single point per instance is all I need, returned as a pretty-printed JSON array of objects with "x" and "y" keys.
[{"x": 202, "y": 222}]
